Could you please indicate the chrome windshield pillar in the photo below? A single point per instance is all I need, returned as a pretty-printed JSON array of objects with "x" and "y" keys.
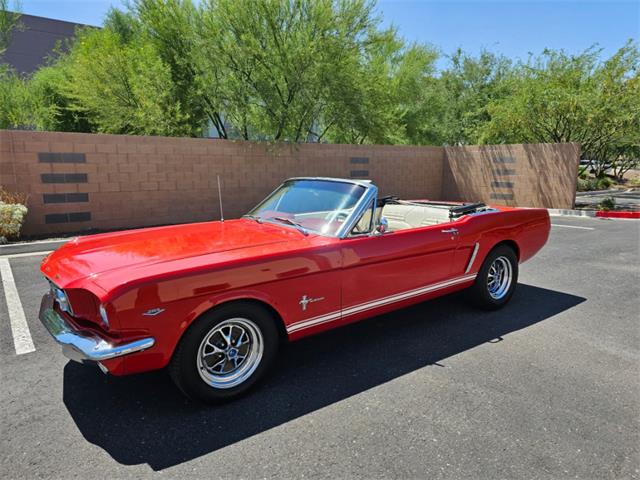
[{"x": 370, "y": 195}]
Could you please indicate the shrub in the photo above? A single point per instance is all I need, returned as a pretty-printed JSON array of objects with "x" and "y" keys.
[
  {"x": 587, "y": 185},
  {"x": 12, "y": 213},
  {"x": 12, "y": 197},
  {"x": 608, "y": 203},
  {"x": 582, "y": 185},
  {"x": 11, "y": 219},
  {"x": 604, "y": 183}
]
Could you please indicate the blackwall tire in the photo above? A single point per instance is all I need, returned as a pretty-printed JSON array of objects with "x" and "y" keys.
[
  {"x": 225, "y": 352},
  {"x": 497, "y": 279}
]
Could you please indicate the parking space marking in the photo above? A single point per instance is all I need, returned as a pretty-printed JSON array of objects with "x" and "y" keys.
[
  {"x": 34, "y": 242},
  {"x": 572, "y": 226},
  {"x": 19, "y": 329},
  {"x": 28, "y": 254}
]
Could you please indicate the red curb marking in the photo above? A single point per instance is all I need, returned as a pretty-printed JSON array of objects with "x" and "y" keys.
[{"x": 604, "y": 214}]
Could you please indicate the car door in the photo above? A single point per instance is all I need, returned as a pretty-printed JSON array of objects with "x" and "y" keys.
[
  {"x": 467, "y": 259},
  {"x": 382, "y": 269}
]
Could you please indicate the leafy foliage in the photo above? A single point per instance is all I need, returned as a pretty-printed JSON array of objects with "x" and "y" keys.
[
  {"x": 13, "y": 197},
  {"x": 9, "y": 22},
  {"x": 563, "y": 98},
  {"x": 298, "y": 70},
  {"x": 625, "y": 157},
  {"x": 57, "y": 111},
  {"x": 11, "y": 220},
  {"x": 467, "y": 89},
  {"x": 20, "y": 106},
  {"x": 609, "y": 203},
  {"x": 12, "y": 214},
  {"x": 322, "y": 70},
  {"x": 123, "y": 87}
]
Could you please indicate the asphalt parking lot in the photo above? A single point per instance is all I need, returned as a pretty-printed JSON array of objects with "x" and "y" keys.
[{"x": 548, "y": 387}]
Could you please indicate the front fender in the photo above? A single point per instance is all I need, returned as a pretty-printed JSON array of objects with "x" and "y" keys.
[
  {"x": 176, "y": 317},
  {"x": 237, "y": 295}
]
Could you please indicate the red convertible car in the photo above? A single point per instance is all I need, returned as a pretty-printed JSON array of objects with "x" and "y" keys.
[{"x": 211, "y": 301}]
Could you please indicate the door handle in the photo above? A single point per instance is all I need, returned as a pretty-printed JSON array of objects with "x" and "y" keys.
[{"x": 452, "y": 231}]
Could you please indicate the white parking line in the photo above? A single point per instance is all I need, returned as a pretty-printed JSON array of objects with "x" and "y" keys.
[
  {"x": 571, "y": 226},
  {"x": 19, "y": 328},
  {"x": 13, "y": 245},
  {"x": 28, "y": 254}
]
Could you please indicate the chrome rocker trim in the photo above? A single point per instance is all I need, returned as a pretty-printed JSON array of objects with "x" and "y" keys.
[
  {"x": 82, "y": 347},
  {"x": 340, "y": 314}
]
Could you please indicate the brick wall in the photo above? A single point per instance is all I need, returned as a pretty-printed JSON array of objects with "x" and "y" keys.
[
  {"x": 530, "y": 175},
  {"x": 81, "y": 181}
]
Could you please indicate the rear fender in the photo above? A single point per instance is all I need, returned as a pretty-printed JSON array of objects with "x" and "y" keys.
[{"x": 526, "y": 230}]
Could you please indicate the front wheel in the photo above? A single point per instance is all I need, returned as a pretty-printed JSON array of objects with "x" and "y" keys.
[
  {"x": 496, "y": 280},
  {"x": 225, "y": 352}
]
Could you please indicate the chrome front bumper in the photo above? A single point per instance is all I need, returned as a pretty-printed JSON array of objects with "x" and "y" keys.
[{"x": 83, "y": 347}]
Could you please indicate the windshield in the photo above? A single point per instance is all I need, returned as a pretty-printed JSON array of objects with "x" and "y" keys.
[{"x": 319, "y": 206}]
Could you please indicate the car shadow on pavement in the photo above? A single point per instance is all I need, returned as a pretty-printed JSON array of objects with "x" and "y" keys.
[{"x": 145, "y": 419}]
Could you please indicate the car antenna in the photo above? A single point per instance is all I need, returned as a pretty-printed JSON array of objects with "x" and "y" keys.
[{"x": 220, "y": 199}]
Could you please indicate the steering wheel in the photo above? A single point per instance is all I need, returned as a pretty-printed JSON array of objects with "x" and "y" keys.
[{"x": 341, "y": 217}]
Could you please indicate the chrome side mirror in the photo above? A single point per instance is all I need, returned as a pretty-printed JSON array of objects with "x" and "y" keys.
[{"x": 383, "y": 225}]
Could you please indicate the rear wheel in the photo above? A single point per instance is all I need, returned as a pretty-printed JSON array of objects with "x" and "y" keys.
[
  {"x": 496, "y": 280},
  {"x": 225, "y": 352}
]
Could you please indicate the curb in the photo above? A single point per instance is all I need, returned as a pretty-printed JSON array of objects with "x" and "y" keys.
[
  {"x": 559, "y": 212},
  {"x": 591, "y": 193}
]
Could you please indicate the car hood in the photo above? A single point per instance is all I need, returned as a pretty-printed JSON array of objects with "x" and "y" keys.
[{"x": 111, "y": 259}]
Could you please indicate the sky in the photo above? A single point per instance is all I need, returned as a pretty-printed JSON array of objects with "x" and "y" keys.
[{"x": 513, "y": 28}]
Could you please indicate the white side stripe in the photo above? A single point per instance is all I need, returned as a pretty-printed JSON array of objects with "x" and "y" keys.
[
  {"x": 19, "y": 328},
  {"x": 314, "y": 321},
  {"x": 377, "y": 303}
]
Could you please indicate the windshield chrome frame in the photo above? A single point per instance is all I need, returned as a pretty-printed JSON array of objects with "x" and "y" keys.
[{"x": 370, "y": 194}]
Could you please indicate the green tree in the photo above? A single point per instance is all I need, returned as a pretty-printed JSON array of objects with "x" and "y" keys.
[
  {"x": 20, "y": 107},
  {"x": 625, "y": 157},
  {"x": 462, "y": 95},
  {"x": 288, "y": 70},
  {"x": 382, "y": 103},
  {"x": 174, "y": 27},
  {"x": 308, "y": 71},
  {"x": 322, "y": 70},
  {"x": 14, "y": 100},
  {"x": 558, "y": 97},
  {"x": 9, "y": 22},
  {"x": 123, "y": 87},
  {"x": 49, "y": 87}
]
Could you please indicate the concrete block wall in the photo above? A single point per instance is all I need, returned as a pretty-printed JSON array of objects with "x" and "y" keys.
[
  {"x": 82, "y": 181},
  {"x": 529, "y": 175},
  {"x": 77, "y": 181}
]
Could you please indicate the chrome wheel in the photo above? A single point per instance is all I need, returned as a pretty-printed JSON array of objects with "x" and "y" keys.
[
  {"x": 499, "y": 278},
  {"x": 230, "y": 352}
]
